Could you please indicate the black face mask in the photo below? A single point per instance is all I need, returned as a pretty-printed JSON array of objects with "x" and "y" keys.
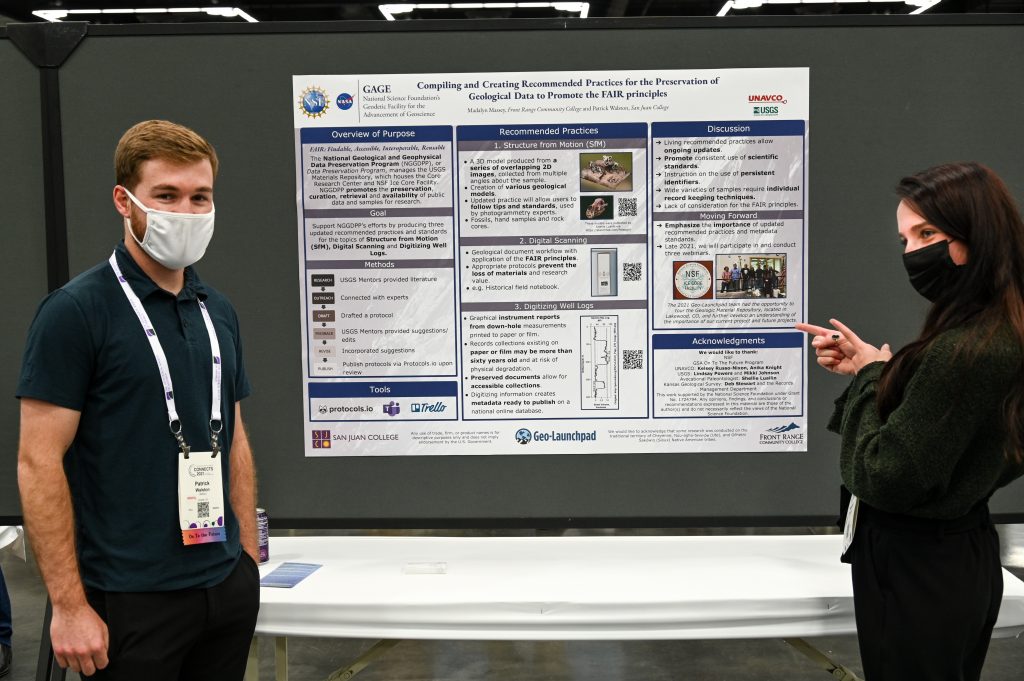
[{"x": 932, "y": 272}]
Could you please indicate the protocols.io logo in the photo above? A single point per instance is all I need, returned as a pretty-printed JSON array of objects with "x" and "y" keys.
[{"x": 523, "y": 436}]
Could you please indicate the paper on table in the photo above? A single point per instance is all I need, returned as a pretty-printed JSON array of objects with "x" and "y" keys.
[{"x": 287, "y": 575}]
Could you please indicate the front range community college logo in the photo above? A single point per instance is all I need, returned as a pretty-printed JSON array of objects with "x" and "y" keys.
[
  {"x": 523, "y": 436},
  {"x": 313, "y": 102},
  {"x": 782, "y": 435}
]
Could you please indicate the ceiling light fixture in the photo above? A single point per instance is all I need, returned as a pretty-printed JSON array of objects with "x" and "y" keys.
[
  {"x": 391, "y": 10},
  {"x": 921, "y": 5},
  {"x": 225, "y": 12}
]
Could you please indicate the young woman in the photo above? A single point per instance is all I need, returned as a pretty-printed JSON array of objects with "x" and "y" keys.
[{"x": 928, "y": 434}]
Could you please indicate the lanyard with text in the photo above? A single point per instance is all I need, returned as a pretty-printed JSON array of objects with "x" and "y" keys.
[{"x": 200, "y": 484}]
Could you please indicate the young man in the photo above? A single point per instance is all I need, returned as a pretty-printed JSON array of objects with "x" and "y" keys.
[{"x": 136, "y": 476}]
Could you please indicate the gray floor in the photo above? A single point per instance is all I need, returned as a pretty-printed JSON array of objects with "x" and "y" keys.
[{"x": 766, "y": 660}]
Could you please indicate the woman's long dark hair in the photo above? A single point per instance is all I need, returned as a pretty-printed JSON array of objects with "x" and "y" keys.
[{"x": 970, "y": 203}]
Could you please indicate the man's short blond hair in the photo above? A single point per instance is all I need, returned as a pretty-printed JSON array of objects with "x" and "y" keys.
[{"x": 158, "y": 140}]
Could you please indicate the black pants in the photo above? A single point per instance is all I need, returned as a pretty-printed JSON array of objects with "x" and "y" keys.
[
  {"x": 186, "y": 635},
  {"x": 926, "y": 595}
]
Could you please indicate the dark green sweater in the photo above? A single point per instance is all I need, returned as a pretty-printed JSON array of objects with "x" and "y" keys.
[{"x": 941, "y": 450}]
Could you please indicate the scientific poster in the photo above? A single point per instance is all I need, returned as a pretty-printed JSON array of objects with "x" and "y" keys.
[{"x": 552, "y": 262}]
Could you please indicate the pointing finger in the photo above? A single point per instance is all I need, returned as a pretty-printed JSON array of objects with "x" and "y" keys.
[
  {"x": 813, "y": 329},
  {"x": 849, "y": 335}
]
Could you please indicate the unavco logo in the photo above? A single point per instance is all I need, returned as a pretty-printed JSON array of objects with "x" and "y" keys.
[
  {"x": 767, "y": 99},
  {"x": 766, "y": 104}
]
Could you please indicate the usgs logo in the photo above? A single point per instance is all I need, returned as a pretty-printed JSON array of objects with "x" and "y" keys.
[{"x": 766, "y": 111}]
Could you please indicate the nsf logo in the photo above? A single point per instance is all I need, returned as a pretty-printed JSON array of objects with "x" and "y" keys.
[
  {"x": 345, "y": 101},
  {"x": 523, "y": 436},
  {"x": 313, "y": 102}
]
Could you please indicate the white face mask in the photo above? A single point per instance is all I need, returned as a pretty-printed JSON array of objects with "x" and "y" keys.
[{"x": 175, "y": 240}]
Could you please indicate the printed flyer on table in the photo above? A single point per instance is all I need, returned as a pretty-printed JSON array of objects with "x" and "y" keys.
[{"x": 553, "y": 262}]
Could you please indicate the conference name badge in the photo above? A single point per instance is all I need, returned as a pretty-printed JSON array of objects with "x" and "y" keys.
[{"x": 201, "y": 498}]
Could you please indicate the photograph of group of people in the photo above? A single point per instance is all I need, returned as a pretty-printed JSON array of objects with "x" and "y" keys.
[{"x": 751, "y": 275}]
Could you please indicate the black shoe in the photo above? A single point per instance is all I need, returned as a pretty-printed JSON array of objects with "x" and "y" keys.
[{"x": 5, "y": 660}]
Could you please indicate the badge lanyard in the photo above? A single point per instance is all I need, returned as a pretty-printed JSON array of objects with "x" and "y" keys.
[{"x": 216, "y": 424}]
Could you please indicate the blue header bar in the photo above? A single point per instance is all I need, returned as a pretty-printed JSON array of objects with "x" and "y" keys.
[
  {"x": 385, "y": 389},
  {"x": 728, "y": 129},
  {"x": 727, "y": 341},
  {"x": 553, "y": 131},
  {"x": 423, "y": 133}
]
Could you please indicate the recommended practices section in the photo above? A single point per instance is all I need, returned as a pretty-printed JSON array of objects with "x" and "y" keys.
[
  {"x": 545, "y": 222},
  {"x": 552, "y": 262}
]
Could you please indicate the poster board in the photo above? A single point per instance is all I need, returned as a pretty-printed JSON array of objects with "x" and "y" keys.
[{"x": 876, "y": 116}]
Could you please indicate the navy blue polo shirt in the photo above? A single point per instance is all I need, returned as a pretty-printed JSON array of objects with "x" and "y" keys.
[{"x": 87, "y": 351}]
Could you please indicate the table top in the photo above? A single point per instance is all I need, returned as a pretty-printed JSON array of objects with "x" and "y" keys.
[{"x": 567, "y": 588}]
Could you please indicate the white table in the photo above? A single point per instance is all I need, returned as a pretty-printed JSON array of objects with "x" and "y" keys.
[{"x": 570, "y": 588}]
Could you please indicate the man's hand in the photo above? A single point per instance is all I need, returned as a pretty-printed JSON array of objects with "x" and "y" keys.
[
  {"x": 79, "y": 636},
  {"x": 80, "y": 639}
]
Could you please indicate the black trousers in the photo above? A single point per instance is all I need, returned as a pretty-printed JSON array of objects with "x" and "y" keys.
[
  {"x": 186, "y": 635},
  {"x": 926, "y": 594}
]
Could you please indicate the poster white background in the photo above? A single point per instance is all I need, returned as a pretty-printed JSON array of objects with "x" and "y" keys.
[{"x": 552, "y": 262}]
